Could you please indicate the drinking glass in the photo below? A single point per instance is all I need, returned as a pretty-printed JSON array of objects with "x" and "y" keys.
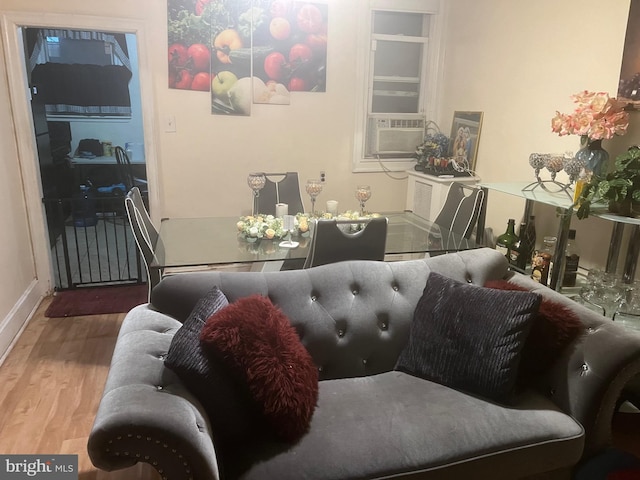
[
  {"x": 256, "y": 182},
  {"x": 363, "y": 193},
  {"x": 313, "y": 187}
]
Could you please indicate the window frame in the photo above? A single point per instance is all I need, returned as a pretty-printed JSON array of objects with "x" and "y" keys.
[{"x": 431, "y": 73}]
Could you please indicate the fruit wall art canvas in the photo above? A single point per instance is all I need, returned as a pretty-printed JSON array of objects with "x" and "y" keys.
[{"x": 247, "y": 51}]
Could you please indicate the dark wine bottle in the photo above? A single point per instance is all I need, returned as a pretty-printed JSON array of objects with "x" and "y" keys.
[
  {"x": 530, "y": 238},
  {"x": 506, "y": 241},
  {"x": 519, "y": 252}
]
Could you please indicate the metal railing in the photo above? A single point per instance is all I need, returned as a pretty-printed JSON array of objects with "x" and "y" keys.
[{"x": 91, "y": 241}]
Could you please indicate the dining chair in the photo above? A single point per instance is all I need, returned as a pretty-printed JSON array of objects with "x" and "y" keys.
[
  {"x": 146, "y": 236},
  {"x": 279, "y": 188},
  {"x": 462, "y": 210},
  {"x": 125, "y": 170},
  {"x": 332, "y": 241},
  {"x": 144, "y": 233}
]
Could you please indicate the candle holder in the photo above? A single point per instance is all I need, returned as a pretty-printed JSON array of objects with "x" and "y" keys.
[
  {"x": 554, "y": 163},
  {"x": 363, "y": 193},
  {"x": 313, "y": 187},
  {"x": 256, "y": 182}
]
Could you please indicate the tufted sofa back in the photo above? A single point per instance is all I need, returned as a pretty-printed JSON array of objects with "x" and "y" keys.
[{"x": 353, "y": 317}]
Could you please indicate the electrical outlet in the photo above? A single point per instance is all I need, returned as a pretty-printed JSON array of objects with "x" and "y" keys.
[{"x": 323, "y": 177}]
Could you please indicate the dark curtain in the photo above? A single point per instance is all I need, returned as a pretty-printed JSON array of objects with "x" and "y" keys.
[{"x": 83, "y": 89}]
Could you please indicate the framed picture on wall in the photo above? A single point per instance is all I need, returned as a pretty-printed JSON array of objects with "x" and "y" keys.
[
  {"x": 464, "y": 139},
  {"x": 629, "y": 84}
]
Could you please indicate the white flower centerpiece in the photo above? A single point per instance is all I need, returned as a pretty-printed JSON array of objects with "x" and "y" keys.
[{"x": 255, "y": 227}]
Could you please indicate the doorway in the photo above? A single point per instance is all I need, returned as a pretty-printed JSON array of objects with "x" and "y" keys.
[
  {"x": 14, "y": 24},
  {"x": 85, "y": 103}
]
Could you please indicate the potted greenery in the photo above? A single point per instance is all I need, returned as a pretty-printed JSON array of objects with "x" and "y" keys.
[{"x": 620, "y": 189}]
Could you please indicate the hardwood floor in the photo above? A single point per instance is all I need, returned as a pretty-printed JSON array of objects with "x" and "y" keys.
[{"x": 52, "y": 382}]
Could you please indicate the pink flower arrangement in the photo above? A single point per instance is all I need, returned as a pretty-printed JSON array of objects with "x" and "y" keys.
[{"x": 597, "y": 115}]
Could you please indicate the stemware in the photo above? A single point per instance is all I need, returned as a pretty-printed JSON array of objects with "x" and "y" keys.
[
  {"x": 363, "y": 193},
  {"x": 313, "y": 187},
  {"x": 256, "y": 182}
]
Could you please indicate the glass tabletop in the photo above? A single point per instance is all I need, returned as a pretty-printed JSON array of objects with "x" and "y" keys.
[
  {"x": 186, "y": 242},
  {"x": 529, "y": 191},
  {"x": 533, "y": 191}
]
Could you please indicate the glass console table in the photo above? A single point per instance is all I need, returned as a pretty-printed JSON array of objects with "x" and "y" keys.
[{"x": 561, "y": 201}]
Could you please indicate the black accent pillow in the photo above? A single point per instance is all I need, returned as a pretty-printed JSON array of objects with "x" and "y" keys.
[
  {"x": 233, "y": 415},
  {"x": 469, "y": 337}
]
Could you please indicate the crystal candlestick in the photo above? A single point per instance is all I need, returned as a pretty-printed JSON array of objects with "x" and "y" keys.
[
  {"x": 313, "y": 187},
  {"x": 363, "y": 193},
  {"x": 256, "y": 182}
]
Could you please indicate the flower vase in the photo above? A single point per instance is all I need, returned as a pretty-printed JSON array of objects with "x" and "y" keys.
[{"x": 593, "y": 156}]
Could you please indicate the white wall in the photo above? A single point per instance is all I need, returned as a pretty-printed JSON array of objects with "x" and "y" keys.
[{"x": 519, "y": 62}]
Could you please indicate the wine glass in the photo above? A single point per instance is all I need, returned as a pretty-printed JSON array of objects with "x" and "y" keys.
[
  {"x": 363, "y": 193},
  {"x": 256, "y": 182},
  {"x": 313, "y": 187}
]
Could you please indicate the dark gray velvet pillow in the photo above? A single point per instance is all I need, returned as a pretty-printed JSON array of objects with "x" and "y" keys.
[
  {"x": 469, "y": 337},
  {"x": 226, "y": 400}
]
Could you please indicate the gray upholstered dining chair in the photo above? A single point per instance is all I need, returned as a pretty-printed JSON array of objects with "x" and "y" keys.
[
  {"x": 462, "y": 209},
  {"x": 330, "y": 242},
  {"x": 279, "y": 188},
  {"x": 146, "y": 237},
  {"x": 144, "y": 232}
]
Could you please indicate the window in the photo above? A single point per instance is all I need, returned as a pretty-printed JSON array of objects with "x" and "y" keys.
[{"x": 400, "y": 55}]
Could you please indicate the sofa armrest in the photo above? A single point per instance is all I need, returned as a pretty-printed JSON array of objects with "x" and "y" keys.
[
  {"x": 145, "y": 414},
  {"x": 588, "y": 378}
]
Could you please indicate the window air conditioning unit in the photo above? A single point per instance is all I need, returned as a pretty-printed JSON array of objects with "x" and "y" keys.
[{"x": 397, "y": 135}]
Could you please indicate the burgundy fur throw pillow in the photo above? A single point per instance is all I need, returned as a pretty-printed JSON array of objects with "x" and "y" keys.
[
  {"x": 257, "y": 341},
  {"x": 554, "y": 327}
]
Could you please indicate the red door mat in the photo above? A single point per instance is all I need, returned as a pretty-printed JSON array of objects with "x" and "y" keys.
[{"x": 96, "y": 301}]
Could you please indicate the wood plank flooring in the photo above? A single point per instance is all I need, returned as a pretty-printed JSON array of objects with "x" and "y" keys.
[{"x": 52, "y": 382}]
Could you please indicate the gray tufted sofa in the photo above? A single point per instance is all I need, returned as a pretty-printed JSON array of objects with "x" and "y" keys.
[{"x": 371, "y": 421}]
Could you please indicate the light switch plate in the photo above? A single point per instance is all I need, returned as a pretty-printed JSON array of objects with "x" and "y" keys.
[{"x": 170, "y": 124}]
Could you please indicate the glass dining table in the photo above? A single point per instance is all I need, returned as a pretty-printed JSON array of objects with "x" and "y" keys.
[{"x": 189, "y": 242}]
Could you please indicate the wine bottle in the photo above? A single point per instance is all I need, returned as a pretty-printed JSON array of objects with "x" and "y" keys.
[
  {"x": 519, "y": 252},
  {"x": 506, "y": 241},
  {"x": 530, "y": 238},
  {"x": 571, "y": 260}
]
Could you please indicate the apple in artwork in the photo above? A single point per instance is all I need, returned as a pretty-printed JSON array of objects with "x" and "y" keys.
[
  {"x": 318, "y": 41},
  {"x": 199, "y": 56},
  {"x": 280, "y": 28},
  {"x": 309, "y": 18},
  {"x": 297, "y": 84},
  {"x": 300, "y": 53},
  {"x": 200, "y": 4},
  {"x": 226, "y": 41},
  {"x": 183, "y": 80},
  {"x": 177, "y": 55},
  {"x": 222, "y": 83},
  {"x": 201, "y": 81},
  {"x": 275, "y": 65},
  {"x": 279, "y": 8}
]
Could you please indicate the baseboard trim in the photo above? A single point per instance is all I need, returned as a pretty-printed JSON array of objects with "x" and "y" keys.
[{"x": 18, "y": 318}]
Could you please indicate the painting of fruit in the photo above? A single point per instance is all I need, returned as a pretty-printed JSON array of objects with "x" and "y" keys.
[
  {"x": 295, "y": 31},
  {"x": 247, "y": 51}
]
